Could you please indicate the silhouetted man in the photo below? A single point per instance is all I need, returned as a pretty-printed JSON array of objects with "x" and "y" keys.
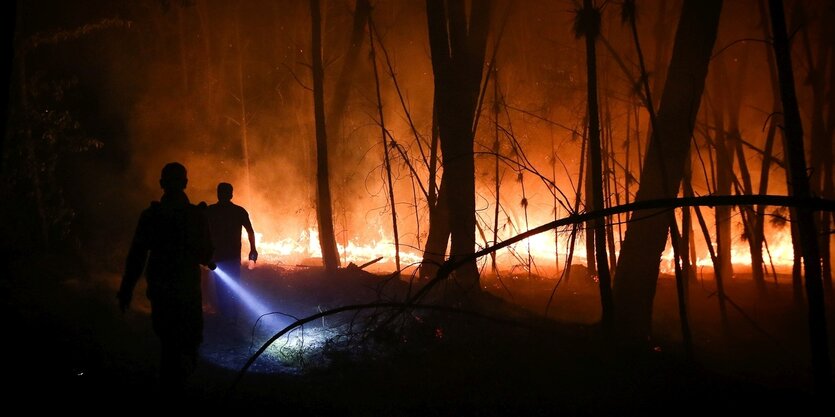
[
  {"x": 226, "y": 220},
  {"x": 173, "y": 235}
]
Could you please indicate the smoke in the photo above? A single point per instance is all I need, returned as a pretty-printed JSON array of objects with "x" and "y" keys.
[{"x": 194, "y": 82}]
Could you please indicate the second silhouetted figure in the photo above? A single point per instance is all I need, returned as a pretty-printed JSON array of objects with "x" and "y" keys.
[{"x": 225, "y": 221}]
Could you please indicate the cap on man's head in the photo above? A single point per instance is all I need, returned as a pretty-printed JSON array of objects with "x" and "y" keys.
[
  {"x": 224, "y": 191},
  {"x": 173, "y": 177}
]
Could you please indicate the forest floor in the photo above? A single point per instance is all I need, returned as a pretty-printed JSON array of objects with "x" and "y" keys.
[{"x": 68, "y": 347}]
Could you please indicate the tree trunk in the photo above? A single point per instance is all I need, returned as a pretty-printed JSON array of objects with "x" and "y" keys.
[
  {"x": 324, "y": 214},
  {"x": 457, "y": 47},
  {"x": 386, "y": 159},
  {"x": 749, "y": 220},
  {"x": 437, "y": 238},
  {"x": 687, "y": 248},
  {"x": 497, "y": 177},
  {"x": 662, "y": 172},
  {"x": 588, "y": 230},
  {"x": 724, "y": 175},
  {"x": 799, "y": 187},
  {"x": 829, "y": 180},
  {"x": 818, "y": 138},
  {"x": 768, "y": 147},
  {"x": 590, "y": 24}
]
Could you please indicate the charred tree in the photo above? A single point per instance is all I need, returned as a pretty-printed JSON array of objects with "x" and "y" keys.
[
  {"x": 799, "y": 187},
  {"x": 587, "y": 25},
  {"x": 458, "y": 44},
  {"x": 663, "y": 170},
  {"x": 324, "y": 212}
]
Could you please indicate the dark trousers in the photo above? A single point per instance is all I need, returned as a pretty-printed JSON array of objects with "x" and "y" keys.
[{"x": 178, "y": 322}]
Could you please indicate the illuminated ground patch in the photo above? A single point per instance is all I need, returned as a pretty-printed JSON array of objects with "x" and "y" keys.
[{"x": 272, "y": 297}]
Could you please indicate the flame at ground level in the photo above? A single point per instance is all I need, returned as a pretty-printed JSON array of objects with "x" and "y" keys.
[{"x": 544, "y": 254}]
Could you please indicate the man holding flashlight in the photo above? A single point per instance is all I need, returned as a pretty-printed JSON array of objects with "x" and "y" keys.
[{"x": 226, "y": 219}]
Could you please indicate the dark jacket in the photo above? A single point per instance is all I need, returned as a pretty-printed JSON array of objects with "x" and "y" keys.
[{"x": 173, "y": 236}]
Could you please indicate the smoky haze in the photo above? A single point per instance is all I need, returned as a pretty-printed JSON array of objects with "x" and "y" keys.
[{"x": 200, "y": 81}]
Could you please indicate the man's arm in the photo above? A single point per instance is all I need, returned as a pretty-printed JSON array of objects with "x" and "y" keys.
[
  {"x": 253, "y": 254},
  {"x": 135, "y": 263}
]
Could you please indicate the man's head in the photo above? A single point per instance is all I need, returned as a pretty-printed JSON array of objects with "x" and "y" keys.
[
  {"x": 224, "y": 191},
  {"x": 173, "y": 177}
]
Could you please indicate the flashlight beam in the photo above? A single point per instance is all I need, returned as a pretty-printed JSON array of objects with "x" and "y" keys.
[{"x": 255, "y": 306}]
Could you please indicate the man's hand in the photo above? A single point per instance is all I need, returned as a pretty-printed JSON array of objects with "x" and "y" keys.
[
  {"x": 253, "y": 255},
  {"x": 124, "y": 298}
]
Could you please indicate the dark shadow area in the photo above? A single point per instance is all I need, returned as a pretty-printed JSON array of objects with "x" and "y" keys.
[{"x": 69, "y": 343}]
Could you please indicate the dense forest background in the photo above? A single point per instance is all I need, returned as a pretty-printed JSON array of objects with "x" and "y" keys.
[{"x": 538, "y": 110}]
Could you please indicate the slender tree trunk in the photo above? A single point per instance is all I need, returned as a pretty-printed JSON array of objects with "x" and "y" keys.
[
  {"x": 324, "y": 213},
  {"x": 577, "y": 198},
  {"x": 591, "y": 263},
  {"x": 590, "y": 24},
  {"x": 662, "y": 172},
  {"x": 687, "y": 249},
  {"x": 755, "y": 244},
  {"x": 496, "y": 174},
  {"x": 720, "y": 286},
  {"x": 611, "y": 188},
  {"x": 829, "y": 178},
  {"x": 386, "y": 160},
  {"x": 681, "y": 287},
  {"x": 799, "y": 187},
  {"x": 724, "y": 175},
  {"x": 821, "y": 142}
]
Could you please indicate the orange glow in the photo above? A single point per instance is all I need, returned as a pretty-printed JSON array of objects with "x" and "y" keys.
[{"x": 304, "y": 247}]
